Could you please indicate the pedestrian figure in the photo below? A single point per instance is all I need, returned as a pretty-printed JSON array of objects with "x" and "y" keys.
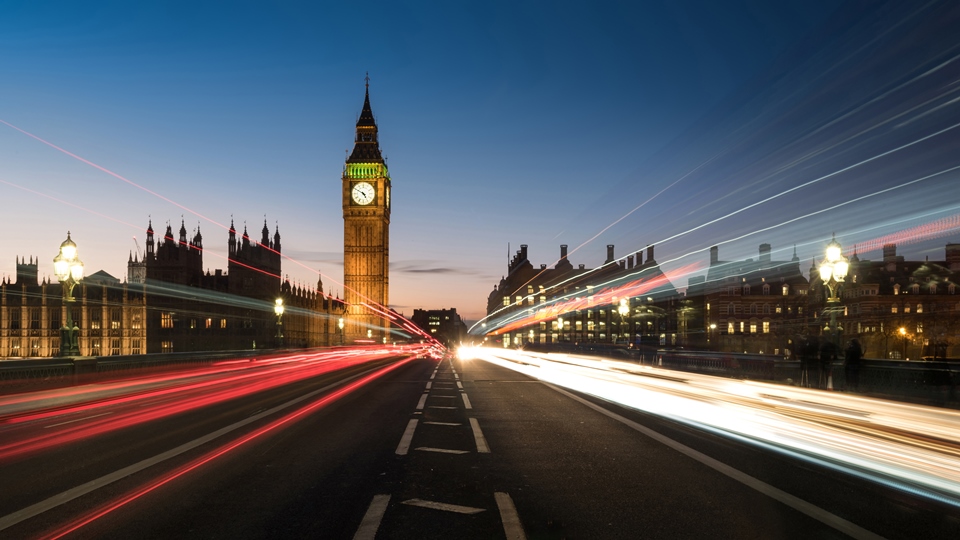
[
  {"x": 828, "y": 353},
  {"x": 851, "y": 357}
]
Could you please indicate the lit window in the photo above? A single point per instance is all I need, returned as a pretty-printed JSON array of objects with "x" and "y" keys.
[
  {"x": 209, "y": 323},
  {"x": 506, "y": 301},
  {"x": 896, "y": 289},
  {"x": 166, "y": 320},
  {"x": 786, "y": 290},
  {"x": 166, "y": 346},
  {"x": 766, "y": 327},
  {"x": 753, "y": 328},
  {"x": 893, "y": 309},
  {"x": 919, "y": 308},
  {"x": 742, "y": 326},
  {"x": 730, "y": 327},
  {"x": 223, "y": 323}
]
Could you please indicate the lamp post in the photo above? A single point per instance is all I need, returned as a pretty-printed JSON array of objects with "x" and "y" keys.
[
  {"x": 833, "y": 270},
  {"x": 340, "y": 326},
  {"x": 624, "y": 309},
  {"x": 69, "y": 271},
  {"x": 278, "y": 309},
  {"x": 903, "y": 338}
]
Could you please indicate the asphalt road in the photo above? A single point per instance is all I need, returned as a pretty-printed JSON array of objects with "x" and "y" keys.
[{"x": 428, "y": 449}]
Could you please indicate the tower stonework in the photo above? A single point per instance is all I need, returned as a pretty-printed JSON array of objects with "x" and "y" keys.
[{"x": 366, "y": 233}]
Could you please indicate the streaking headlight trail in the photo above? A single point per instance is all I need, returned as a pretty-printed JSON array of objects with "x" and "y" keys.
[{"x": 909, "y": 447}]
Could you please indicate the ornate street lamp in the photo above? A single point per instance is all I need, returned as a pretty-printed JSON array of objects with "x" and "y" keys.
[
  {"x": 278, "y": 309},
  {"x": 903, "y": 338},
  {"x": 833, "y": 270},
  {"x": 624, "y": 310},
  {"x": 69, "y": 271},
  {"x": 340, "y": 326}
]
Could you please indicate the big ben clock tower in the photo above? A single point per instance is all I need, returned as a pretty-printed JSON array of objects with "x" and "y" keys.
[{"x": 366, "y": 232}]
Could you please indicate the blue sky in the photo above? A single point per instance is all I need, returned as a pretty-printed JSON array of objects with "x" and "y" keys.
[{"x": 503, "y": 122}]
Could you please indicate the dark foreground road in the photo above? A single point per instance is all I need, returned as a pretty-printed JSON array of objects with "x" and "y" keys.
[{"x": 425, "y": 449}]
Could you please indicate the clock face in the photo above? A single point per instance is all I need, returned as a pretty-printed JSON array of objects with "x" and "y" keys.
[{"x": 362, "y": 193}]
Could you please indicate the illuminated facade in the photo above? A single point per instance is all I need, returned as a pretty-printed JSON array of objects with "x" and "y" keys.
[
  {"x": 445, "y": 325},
  {"x": 900, "y": 309},
  {"x": 169, "y": 304},
  {"x": 756, "y": 306},
  {"x": 627, "y": 301},
  {"x": 366, "y": 232},
  {"x": 111, "y": 315}
]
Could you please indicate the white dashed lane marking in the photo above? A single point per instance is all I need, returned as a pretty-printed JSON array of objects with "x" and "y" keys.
[
  {"x": 373, "y": 517},
  {"x": 404, "y": 445},
  {"x": 466, "y": 401},
  {"x": 478, "y": 437}
]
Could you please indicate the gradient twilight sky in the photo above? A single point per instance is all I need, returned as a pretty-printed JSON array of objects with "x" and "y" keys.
[{"x": 539, "y": 123}]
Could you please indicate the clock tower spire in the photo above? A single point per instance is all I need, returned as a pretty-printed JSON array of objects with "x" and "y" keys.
[{"x": 366, "y": 232}]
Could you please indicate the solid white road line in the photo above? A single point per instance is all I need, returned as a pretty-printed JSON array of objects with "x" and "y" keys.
[
  {"x": 821, "y": 515},
  {"x": 371, "y": 520},
  {"x": 440, "y": 407},
  {"x": 404, "y": 445},
  {"x": 478, "y": 436},
  {"x": 466, "y": 401},
  {"x": 508, "y": 515},
  {"x": 444, "y": 423},
  {"x": 36, "y": 509},
  {"x": 422, "y": 402},
  {"x": 444, "y": 506},
  {"x": 460, "y": 385},
  {"x": 440, "y": 450}
]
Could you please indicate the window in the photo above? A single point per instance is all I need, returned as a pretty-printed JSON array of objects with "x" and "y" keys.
[
  {"x": 742, "y": 326},
  {"x": 223, "y": 323},
  {"x": 135, "y": 346},
  {"x": 519, "y": 300},
  {"x": 167, "y": 346},
  {"x": 933, "y": 288},
  {"x": 34, "y": 347},
  {"x": 786, "y": 290},
  {"x": 766, "y": 309},
  {"x": 753, "y": 309},
  {"x": 893, "y": 309},
  {"x": 193, "y": 323},
  {"x": 951, "y": 289},
  {"x": 54, "y": 319},
  {"x": 766, "y": 289},
  {"x": 15, "y": 320},
  {"x": 766, "y": 327},
  {"x": 906, "y": 308},
  {"x": 95, "y": 317},
  {"x": 919, "y": 308},
  {"x": 896, "y": 288},
  {"x": 730, "y": 327},
  {"x": 779, "y": 309},
  {"x": 135, "y": 321},
  {"x": 506, "y": 301},
  {"x": 34, "y": 321},
  {"x": 95, "y": 345},
  {"x": 208, "y": 323},
  {"x": 915, "y": 289},
  {"x": 116, "y": 315},
  {"x": 166, "y": 320},
  {"x": 753, "y": 328},
  {"x": 746, "y": 289},
  {"x": 115, "y": 346}
]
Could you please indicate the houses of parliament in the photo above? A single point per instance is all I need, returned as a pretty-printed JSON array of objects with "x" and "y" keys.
[{"x": 168, "y": 303}]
